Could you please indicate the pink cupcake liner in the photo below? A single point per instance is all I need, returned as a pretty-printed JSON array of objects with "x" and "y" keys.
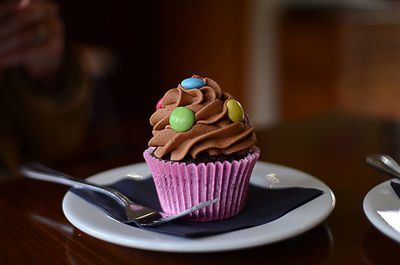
[{"x": 181, "y": 186}]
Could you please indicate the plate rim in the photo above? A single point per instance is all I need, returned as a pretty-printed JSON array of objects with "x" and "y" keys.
[
  {"x": 371, "y": 212},
  {"x": 193, "y": 245}
]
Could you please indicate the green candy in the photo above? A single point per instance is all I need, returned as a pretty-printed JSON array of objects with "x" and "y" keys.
[
  {"x": 235, "y": 110},
  {"x": 181, "y": 119}
]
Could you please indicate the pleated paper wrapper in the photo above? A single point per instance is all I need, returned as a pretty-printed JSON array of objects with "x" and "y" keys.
[{"x": 181, "y": 186}]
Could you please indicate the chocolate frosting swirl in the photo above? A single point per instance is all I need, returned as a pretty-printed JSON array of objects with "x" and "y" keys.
[{"x": 212, "y": 131}]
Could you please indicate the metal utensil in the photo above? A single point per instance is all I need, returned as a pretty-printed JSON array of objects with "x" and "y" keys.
[
  {"x": 384, "y": 163},
  {"x": 136, "y": 213}
]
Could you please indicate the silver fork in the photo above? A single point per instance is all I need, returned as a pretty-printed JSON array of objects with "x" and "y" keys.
[
  {"x": 136, "y": 213},
  {"x": 384, "y": 163}
]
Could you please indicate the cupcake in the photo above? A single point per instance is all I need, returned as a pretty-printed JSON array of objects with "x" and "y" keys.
[{"x": 203, "y": 147}]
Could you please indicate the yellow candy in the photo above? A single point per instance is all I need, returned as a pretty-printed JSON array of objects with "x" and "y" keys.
[{"x": 235, "y": 110}]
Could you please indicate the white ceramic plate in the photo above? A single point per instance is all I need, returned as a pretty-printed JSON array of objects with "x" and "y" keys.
[
  {"x": 94, "y": 222},
  {"x": 382, "y": 198}
]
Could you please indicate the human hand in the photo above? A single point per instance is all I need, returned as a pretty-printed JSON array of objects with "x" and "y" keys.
[{"x": 31, "y": 37}]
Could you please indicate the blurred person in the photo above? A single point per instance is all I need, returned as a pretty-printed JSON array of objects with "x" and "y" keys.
[{"x": 44, "y": 90}]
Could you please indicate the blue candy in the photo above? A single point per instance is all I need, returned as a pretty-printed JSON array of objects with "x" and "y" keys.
[{"x": 190, "y": 83}]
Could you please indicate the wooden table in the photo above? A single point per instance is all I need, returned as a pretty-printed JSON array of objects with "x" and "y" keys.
[{"x": 331, "y": 147}]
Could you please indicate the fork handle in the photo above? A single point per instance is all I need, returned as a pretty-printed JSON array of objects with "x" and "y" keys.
[
  {"x": 384, "y": 163},
  {"x": 40, "y": 172}
]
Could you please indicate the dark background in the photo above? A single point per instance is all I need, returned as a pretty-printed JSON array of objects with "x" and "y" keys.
[{"x": 329, "y": 57}]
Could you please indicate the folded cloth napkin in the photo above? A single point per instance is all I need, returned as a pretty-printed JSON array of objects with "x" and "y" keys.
[
  {"x": 263, "y": 205},
  {"x": 396, "y": 187}
]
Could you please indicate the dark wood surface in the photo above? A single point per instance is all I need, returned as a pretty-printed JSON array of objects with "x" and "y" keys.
[{"x": 331, "y": 147}]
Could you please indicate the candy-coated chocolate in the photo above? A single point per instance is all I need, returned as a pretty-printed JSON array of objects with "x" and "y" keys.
[
  {"x": 181, "y": 119},
  {"x": 191, "y": 83},
  {"x": 235, "y": 110},
  {"x": 159, "y": 103}
]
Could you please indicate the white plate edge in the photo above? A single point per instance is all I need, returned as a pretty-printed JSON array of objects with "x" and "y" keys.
[
  {"x": 374, "y": 218},
  {"x": 232, "y": 246}
]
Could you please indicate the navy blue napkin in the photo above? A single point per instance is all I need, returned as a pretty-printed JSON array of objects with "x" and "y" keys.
[
  {"x": 396, "y": 187},
  {"x": 263, "y": 205}
]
